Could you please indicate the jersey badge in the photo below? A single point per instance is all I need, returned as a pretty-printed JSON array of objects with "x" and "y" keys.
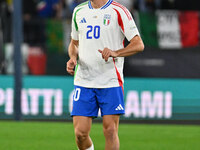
[
  {"x": 83, "y": 20},
  {"x": 106, "y": 19}
]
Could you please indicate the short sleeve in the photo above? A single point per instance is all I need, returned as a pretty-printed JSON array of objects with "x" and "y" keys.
[
  {"x": 130, "y": 28},
  {"x": 74, "y": 26}
]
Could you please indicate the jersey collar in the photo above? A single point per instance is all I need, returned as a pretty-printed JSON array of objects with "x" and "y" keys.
[{"x": 103, "y": 7}]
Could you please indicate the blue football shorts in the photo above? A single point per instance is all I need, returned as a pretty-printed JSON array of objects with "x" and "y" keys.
[{"x": 88, "y": 101}]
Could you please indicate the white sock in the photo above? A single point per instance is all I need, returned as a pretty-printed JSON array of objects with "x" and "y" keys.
[{"x": 90, "y": 148}]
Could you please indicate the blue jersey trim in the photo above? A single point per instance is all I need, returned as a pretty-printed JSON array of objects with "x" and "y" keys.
[
  {"x": 107, "y": 4},
  {"x": 90, "y": 6},
  {"x": 103, "y": 7}
]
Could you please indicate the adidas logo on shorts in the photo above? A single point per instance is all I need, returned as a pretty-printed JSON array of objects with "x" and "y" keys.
[{"x": 119, "y": 107}]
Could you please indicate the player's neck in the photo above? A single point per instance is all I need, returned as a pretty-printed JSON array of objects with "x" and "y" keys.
[{"x": 98, "y": 3}]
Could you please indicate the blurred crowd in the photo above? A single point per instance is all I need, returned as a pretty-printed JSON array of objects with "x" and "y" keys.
[
  {"x": 37, "y": 13},
  {"x": 64, "y": 8},
  {"x": 34, "y": 14}
]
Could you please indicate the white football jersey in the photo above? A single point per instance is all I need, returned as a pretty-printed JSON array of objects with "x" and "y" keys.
[{"x": 96, "y": 29}]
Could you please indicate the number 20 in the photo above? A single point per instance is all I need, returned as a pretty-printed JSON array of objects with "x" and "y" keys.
[{"x": 95, "y": 30}]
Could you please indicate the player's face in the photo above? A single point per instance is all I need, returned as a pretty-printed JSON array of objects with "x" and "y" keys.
[{"x": 94, "y": 0}]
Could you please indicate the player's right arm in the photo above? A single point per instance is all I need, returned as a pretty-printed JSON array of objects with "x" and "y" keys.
[
  {"x": 73, "y": 54},
  {"x": 73, "y": 46}
]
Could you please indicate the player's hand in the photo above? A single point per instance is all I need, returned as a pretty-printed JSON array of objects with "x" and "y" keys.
[
  {"x": 70, "y": 65},
  {"x": 106, "y": 53}
]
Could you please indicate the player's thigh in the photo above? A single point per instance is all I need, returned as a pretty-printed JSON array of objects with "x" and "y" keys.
[
  {"x": 111, "y": 122},
  {"x": 82, "y": 124},
  {"x": 84, "y": 102},
  {"x": 111, "y": 101}
]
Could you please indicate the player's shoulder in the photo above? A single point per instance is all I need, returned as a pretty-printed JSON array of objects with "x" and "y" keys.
[
  {"x": 121, "y": 9},
  {"x": 82, "y": 5},
  {"x": 118, "y": 6}
]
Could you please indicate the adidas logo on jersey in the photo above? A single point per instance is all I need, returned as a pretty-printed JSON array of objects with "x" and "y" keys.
[
  {"x": 119, "y": 107},
  {"x": 83, "y": 20}
]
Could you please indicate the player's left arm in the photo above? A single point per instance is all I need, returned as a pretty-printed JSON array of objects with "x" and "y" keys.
[
  {"x": 130, "y": 31},
  {"x": 136, "y": 45}
]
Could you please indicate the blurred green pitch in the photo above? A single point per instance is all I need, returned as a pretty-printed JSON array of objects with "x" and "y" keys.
[{"x": 60, "y": 136}]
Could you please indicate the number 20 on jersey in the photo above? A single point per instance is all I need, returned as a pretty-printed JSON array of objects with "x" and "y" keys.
[{"x": 93, "y": 32}]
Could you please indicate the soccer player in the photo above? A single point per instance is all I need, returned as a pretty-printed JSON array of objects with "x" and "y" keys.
[{"x": 97, "y": 54}]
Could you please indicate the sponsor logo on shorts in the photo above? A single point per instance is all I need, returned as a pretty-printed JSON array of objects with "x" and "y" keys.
[{"x": 119, "y": 107}]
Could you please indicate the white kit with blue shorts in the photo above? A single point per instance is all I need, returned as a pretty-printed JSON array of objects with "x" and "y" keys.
[{"x": 99, "y": 84}]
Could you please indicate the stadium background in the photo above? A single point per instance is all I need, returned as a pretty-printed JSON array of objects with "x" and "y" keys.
[{"x": 162, "y": 84}]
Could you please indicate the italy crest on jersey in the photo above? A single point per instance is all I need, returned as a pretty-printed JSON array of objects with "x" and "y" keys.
[{"x": 106, "y": 19}]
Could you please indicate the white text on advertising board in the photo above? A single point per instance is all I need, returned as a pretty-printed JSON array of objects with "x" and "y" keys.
[{"x": 51, "y": 99}]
